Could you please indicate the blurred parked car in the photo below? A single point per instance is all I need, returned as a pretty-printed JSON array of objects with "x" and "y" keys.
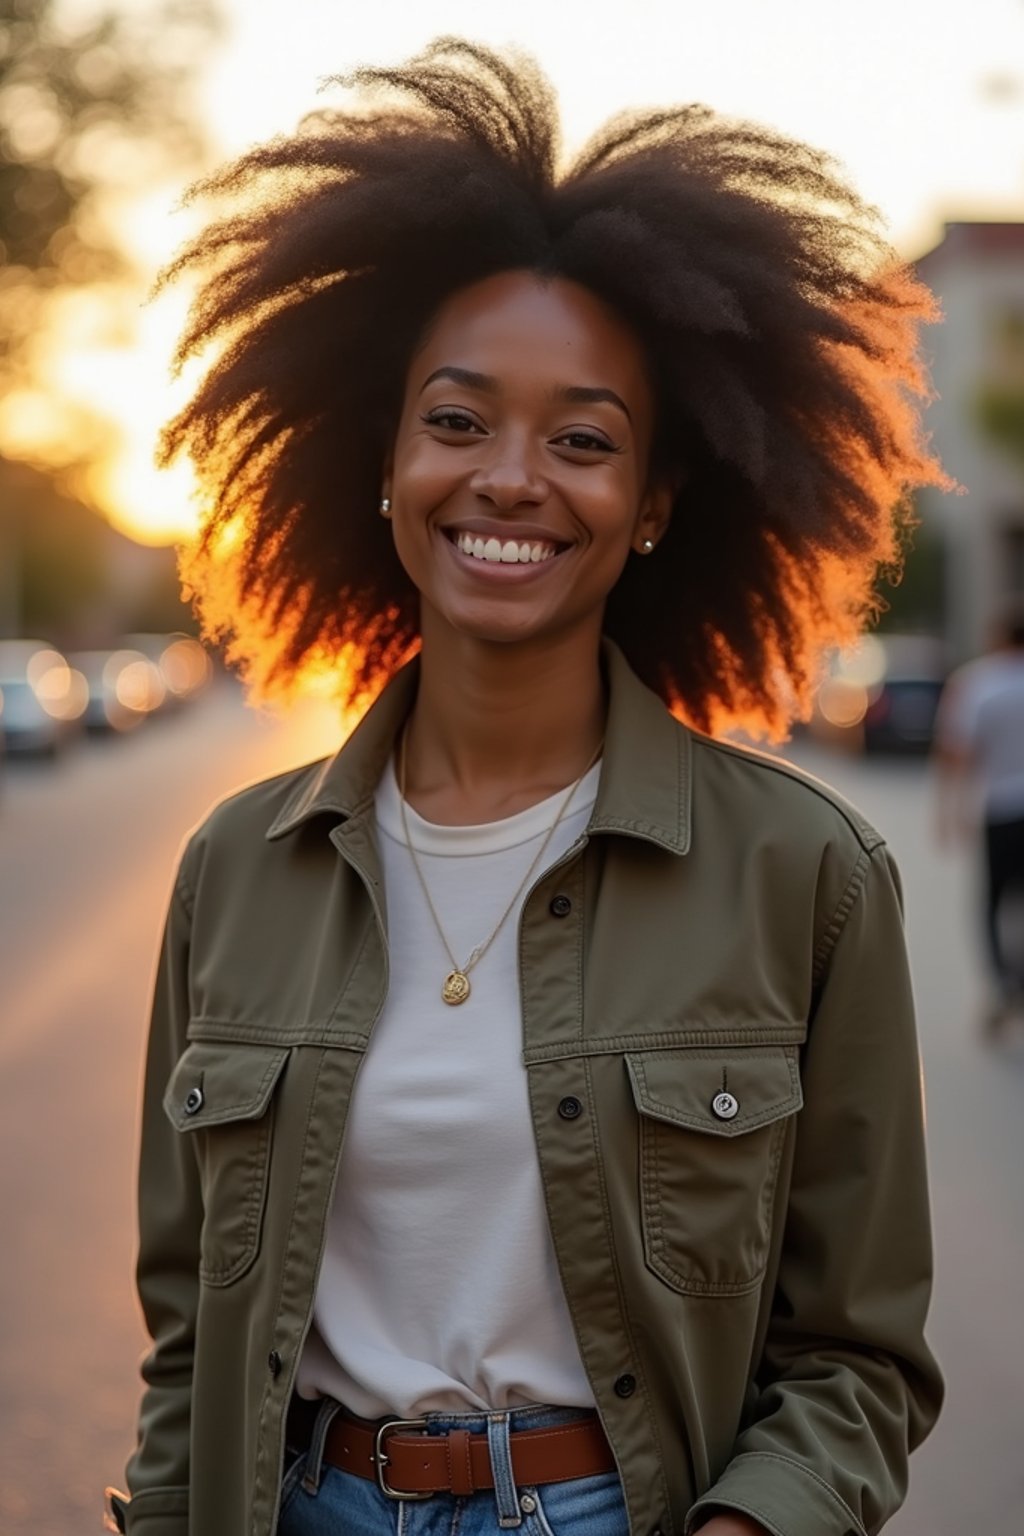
[
  {"x": 183, "y": 664},
  {"x": 882, "y": 695},
  {"x": 42, "y": 698},
  {"x": 123, "y": 686}
]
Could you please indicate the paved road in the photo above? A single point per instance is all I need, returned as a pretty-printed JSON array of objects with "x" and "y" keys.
[
  {"x": 86, "y": 854},
  {"x": 86, "y": 858}
]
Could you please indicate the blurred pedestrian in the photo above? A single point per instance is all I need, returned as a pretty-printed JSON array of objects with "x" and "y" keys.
[
  {"x": 532, "y": 1134},
  {"x": 980, "y": 756}
]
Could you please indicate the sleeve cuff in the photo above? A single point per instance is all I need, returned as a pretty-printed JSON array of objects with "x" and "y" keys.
[
  {"x": 157, "y": 1512},
  {"x": 785, "y": 1496}
]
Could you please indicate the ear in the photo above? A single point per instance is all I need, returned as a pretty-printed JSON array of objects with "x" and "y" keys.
[{"x": 655, "y": 512}]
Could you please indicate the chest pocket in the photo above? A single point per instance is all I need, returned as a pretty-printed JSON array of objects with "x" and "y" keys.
[
  {"x": 222, "y": 1095},
  {"x": 712, "y": 1124}
]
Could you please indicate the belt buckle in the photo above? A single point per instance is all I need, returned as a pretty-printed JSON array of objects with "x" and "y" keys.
[{"x": 380, "y": 1459}]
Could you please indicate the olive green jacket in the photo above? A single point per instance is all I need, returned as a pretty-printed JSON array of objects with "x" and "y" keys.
[{"x": 748, "y": 1290}]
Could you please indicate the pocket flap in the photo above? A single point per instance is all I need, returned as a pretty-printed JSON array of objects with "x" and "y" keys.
[
  {"x": 215, "y": 1083},
  {"x": 722, "y": 1092}
]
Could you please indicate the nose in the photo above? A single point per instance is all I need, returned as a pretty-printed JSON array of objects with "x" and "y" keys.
[{"x": 509, "y": 475}]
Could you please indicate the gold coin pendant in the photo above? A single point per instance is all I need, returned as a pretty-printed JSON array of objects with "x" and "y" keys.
[{"x": 456, "y": 988}]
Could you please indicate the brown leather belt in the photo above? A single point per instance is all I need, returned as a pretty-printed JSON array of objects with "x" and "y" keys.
[{"x": 411, "y": 1465}]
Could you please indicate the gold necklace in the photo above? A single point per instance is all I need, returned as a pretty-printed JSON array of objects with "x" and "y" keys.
[{"x": 456, "y": 986}]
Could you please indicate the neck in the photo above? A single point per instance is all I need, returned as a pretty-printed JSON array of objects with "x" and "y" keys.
[{"x": 496, "y": 727}]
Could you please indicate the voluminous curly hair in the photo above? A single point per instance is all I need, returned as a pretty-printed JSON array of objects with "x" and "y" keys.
[{"x": 780, "y": 329}]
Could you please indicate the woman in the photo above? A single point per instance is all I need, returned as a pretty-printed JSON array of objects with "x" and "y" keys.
[{"x": 539, "y": 1072}]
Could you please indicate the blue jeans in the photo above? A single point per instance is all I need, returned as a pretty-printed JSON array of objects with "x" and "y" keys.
[{"x": 320, "y": 1500}]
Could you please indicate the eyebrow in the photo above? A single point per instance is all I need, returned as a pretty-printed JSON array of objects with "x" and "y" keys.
[{"x": 573, "y": 394}]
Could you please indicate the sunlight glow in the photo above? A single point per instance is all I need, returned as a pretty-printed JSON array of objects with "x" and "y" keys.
[{"x": 925, "y": 114}]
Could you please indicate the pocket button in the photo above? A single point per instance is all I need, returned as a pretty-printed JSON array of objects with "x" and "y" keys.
[
  {"x": 724, "y": 1106},
  {"x": 193, "y": 1101}
]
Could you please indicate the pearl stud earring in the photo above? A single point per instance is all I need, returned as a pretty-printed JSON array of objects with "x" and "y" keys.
[
  {"x": 385, "y": 506},
  {"x": 648, "y": 545}
]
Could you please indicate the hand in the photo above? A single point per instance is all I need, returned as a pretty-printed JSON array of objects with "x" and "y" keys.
[{"x": 731, "y": 1523}]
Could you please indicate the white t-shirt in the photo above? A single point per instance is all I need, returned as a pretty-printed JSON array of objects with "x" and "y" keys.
[
  {"x": 982, "y": 713},
  {"x": 439, "y": 1288}
]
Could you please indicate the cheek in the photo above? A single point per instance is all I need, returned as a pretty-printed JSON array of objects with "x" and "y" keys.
[
  {"x": 424, "y": 474},
  {"x": 608, "y": 504}
]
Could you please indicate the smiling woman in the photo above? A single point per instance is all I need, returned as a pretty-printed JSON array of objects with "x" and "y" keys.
[{"x": 527, "y": 1083}]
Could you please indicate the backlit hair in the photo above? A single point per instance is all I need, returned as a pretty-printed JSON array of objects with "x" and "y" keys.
[{"x": 780, "y": 328}]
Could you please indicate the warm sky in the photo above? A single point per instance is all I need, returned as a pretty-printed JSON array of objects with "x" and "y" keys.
[{"x": 921, "y": 100}]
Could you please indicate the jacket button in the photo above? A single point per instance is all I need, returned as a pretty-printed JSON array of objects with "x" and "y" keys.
[
  {"x": 560, "y": 906},
  {"x": 274, "y": 1363},
  {"x": 570, "y": 1108},
  {"x": 724, "y": 1106},
  {"x": 625, "y": 1386},
  {"x": 193, "y": 1101}
]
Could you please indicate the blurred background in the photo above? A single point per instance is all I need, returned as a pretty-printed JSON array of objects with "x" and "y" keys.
[{"x": 118, "y": 730}]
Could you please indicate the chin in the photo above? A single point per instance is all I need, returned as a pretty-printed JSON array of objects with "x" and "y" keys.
[{"x": 499, "y": 629}]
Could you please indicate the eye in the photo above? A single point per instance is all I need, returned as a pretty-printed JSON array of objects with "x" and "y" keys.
[
  {"x": 451, "y": 420},
  {"x": 587, "y": 442}
]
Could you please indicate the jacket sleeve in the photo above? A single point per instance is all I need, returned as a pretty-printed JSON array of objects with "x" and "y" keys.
[
  {"x": 846, "y": 1386},
  {"x": 170, "y": 1218}
]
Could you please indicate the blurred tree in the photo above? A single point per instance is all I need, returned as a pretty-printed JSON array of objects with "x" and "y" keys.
[
  {"x": 999, "y": 406},
  {"x": 85, "y": 109},
  {"x": 916, "y": 602},
  {"x": 94, "y": 106},
  {"x": 1001, "y": 413}
]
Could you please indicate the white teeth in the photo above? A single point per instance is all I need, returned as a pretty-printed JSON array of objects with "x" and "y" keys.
[{"x": 511, "y": 552}]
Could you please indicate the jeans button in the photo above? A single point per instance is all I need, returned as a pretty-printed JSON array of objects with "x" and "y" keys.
[{"x": 527, "y": 1503}]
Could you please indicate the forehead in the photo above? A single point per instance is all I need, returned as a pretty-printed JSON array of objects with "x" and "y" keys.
[{"x": 520, "y": 327}]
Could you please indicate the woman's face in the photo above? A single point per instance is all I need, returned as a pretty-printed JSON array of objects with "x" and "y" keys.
[{"x": 518, "y": 482}]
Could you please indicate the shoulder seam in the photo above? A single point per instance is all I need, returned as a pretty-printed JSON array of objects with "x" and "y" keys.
[
  {"x": 837, "y": 922},
  {"x": 868, "y": 837}
]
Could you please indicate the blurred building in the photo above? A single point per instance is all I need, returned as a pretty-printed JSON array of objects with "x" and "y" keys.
[
  {"x": 977, "y": 424},
  {"x": 70, "y": 578}
]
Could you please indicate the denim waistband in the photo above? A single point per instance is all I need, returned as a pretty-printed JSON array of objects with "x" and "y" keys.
[
  {"x": 528, "y": 1416},
  {"x": 311, "y": 1421}
]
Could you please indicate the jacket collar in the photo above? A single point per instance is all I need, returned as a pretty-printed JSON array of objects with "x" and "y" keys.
[{"x": 645, "y": 783}]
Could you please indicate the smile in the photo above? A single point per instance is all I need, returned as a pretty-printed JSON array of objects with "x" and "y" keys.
[{"x": 503, "y": 551}]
